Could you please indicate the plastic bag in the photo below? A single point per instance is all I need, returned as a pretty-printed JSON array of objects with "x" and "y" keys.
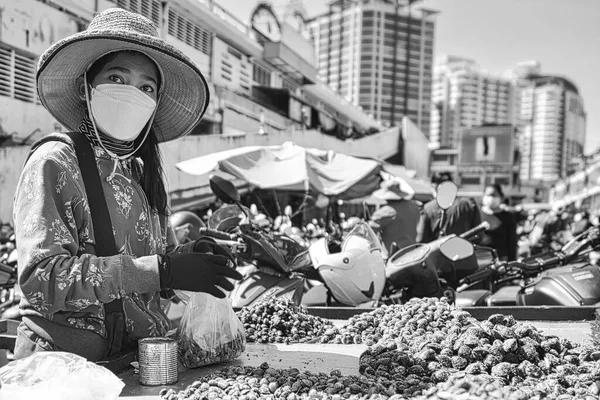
[
  {"x": 209, "y": 332},
  {"x": 54, "y": 375}
]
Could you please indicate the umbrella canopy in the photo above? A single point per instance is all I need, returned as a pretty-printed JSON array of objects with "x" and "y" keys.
[{"x": 294, "y": 168}]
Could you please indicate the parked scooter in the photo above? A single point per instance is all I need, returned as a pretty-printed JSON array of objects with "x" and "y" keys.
[
  {"x": 419, "y": 270},
  {"x": 352, "y": 271},
  {"x": 557, "y": 278},
  {"x": 10, "y": 296}
]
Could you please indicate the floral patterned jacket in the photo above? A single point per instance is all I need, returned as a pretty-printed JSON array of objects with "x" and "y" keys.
[{"x": 60, "y": 277}]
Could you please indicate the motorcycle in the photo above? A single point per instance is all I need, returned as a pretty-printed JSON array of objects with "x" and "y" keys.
[
  {"x": 554, "y": 278},
  {"x": 280, "y": 266},
  {"x": 10, "y": 296},
  {"x": 420, "y": 270}
]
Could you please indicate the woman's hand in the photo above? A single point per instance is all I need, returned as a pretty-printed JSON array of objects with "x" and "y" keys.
[
  {"x": 198, "y": 272},
  {"x": 210, "y": 246}
]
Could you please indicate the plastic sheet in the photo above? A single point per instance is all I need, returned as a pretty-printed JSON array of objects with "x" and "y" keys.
[{"x": 57, "y": 376}]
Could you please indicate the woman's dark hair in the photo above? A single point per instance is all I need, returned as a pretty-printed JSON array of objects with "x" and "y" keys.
[
  {"x": 152, "y": 172},
  {"x": 497, "y": 188}
]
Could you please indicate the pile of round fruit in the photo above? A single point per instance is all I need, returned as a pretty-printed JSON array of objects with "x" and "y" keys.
[
  {"x": 425, "y": 349},
  {"x": 280, "y": 321}
]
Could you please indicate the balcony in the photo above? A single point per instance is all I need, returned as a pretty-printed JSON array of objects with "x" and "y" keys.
[{"x": 290, "y": 63}]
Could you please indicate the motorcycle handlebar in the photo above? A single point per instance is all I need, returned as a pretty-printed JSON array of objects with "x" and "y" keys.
[
  {"x": 216, "y": 234},
  {"x": 558, "y": 258},
  {"x": 482, "y": 227},
  {"x": 483, "y": 274}
]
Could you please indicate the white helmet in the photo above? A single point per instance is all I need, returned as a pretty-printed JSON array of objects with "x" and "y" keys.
[{"x": 356, "y": 273}]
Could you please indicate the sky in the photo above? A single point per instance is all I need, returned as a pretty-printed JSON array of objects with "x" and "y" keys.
[{"x": 563, "y": 35}]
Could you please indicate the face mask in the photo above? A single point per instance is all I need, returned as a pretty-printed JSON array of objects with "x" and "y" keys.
[
  {"x": 491, "y": 202},
  {"x": 121, "y": 111}
]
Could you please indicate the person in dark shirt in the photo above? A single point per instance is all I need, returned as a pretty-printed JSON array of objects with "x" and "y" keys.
[
  {"x": 502, "y": 234},
  {"x": 397, "y": 220},
  {"x": 463, "y": 215}
]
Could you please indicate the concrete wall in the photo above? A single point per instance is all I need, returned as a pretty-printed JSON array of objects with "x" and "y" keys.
[
  {"x": 381, "y": 145},
  {"x": 11, "y": 161}
]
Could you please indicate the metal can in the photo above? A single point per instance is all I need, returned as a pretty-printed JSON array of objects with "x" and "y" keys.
[{"x": 157, "y": 359}]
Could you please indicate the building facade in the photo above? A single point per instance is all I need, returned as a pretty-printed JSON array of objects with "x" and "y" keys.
[
  {"x": 553, "y": 127},
  {"x": 262, "y": 77},
  {"x": 379, "y": 55},
  {"x": 546, "y": 111},
  {"x": 465, "y": 96}
]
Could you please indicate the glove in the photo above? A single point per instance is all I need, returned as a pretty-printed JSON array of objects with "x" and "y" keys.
[
  {"x": 197, "y": 272},
  {"x": 208, "y": 245}
]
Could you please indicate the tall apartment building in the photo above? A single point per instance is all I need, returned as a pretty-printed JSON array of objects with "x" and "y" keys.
[
  {"x": 553, "y": 127},
  {"x": 379, "y": 55},
  {"x": 464, "y": 96}
]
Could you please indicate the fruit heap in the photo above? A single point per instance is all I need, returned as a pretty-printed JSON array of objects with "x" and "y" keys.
[
  {"x": 433, "y": 343},
  {"x": 248, "y": 383},
  {"x": 281, "y": 321},
  {"x": 390, "y": 321},
  {"x": 424, "y": 349}
]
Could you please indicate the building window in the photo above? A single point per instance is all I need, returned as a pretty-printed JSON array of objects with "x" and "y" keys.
[
  {"x": 189, "y": 32},
  {"x": 290, "y": 85},
  {"x": 17, "y": 76},
  {"x": 150, "y": 9},
  {"x": 261, "y": 75}
]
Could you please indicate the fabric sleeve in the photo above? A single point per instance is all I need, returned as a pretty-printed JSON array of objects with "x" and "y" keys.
[{"x": 53, "y": 225}]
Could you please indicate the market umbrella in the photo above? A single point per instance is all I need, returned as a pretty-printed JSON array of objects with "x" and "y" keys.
[{"x": 293, "y": 168}]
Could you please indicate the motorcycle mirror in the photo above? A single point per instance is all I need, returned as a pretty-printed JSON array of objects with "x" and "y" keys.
[
  {"x": 457, "y": 248},
  {"x": 446, "y": 194},
  {"x": 224, "y": 189}
]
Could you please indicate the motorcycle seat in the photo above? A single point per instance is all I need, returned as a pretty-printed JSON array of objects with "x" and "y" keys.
[{"x": 505, "y": 296}]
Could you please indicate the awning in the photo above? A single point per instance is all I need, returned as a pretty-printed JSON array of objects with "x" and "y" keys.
[
  {"x": 335, "y": 101},
  {"x": 201, "y": 195},
  {"x": 294, "y": 168}
]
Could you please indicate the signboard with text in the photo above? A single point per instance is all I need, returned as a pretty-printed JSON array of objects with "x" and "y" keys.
[{"x": 487, "y": 146}]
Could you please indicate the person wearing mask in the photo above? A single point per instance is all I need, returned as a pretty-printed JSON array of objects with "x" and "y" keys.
[
  {"x": 396, "y": 221},
  {"x": 463, "y": 215},
  {"x": 502, "y": 233},
  {"x": 121, "y": 90}
]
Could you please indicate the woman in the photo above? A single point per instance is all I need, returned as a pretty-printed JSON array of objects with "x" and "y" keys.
[
  {"x": 126, "y": 91},
  {"x": 502, "y": 234}
]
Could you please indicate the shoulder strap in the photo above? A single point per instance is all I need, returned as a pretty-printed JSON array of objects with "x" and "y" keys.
[{"x": 93, "y": 188}]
